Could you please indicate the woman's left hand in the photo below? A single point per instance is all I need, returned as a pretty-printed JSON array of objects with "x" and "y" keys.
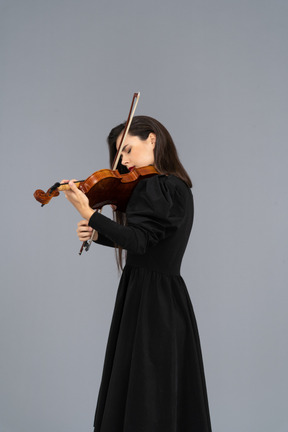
[{"x": 78, "y": 199}]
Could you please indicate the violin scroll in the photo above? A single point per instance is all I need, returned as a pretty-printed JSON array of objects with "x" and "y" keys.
[{"x": 53, "y": 191}]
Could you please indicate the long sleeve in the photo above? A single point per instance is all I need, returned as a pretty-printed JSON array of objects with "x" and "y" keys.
[
  {"x": 104, "y": 241},
  {"x": 155, "y": 209}
]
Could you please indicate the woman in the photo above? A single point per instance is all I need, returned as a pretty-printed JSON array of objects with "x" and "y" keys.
[{"x": 153, "y": 378}]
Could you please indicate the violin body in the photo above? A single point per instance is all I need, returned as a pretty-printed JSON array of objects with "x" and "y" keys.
[{"x": 103, "y": 187}]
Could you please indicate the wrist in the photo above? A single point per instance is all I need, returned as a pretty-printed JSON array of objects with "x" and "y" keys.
[{"x": 87, "y": 213}]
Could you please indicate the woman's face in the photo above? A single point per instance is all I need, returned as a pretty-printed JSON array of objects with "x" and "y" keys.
[{"x": 137, "y": 153}]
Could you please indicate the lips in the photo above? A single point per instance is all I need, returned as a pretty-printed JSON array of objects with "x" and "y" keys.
[{"x": 131, "y": 168}]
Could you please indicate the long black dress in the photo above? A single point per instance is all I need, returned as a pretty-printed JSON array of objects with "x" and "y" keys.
[{"x": 153, "y": 378}]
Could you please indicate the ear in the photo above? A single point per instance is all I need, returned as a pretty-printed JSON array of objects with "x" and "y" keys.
[{"x": 152, "y": 138}]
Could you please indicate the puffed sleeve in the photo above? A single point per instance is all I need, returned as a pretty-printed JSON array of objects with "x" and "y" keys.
[{"x": 155, "y": 210}]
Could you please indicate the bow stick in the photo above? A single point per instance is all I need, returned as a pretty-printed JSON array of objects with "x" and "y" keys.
[{"x": 86, "y": 245}]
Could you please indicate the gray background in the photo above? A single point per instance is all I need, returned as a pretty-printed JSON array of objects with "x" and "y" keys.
[{"x": 215, "y": 73}]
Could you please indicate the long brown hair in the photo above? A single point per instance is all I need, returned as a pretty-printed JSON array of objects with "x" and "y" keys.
[{"x": 166, "y": 159}]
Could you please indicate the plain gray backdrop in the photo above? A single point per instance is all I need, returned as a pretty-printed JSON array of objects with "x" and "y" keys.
[{"x": 214, "y": 72}]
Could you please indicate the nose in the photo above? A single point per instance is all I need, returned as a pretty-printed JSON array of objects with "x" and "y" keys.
[{"x": 124, "y": 159}]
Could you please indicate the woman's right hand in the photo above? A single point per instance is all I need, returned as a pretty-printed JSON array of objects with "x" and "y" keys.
[{"x": 84, "y": 231}]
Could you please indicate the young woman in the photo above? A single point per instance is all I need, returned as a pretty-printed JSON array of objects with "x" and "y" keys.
[{"x": 153, "y": 378}]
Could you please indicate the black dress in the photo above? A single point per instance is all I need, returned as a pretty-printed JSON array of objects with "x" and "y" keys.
[{"x": 153, "y": 378}]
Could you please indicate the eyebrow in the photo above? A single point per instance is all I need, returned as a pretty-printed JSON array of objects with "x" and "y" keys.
[{"x": 124, "y": 147}]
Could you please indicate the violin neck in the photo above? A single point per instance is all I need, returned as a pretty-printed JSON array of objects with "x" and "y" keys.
[{"x": 65, "y": 186}]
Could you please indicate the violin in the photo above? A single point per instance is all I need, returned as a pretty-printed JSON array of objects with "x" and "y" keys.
[
  {"x": 105, "y": 186},
  {"x": 102, "y": 187}
]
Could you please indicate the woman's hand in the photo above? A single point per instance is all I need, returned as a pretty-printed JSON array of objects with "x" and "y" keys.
[
  {"x": 78, "y": 199},
  {"x": 84, "y": 231}
]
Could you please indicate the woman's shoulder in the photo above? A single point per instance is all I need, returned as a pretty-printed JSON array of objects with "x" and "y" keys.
[
  {"x": 175, "y": 182},
  {"x": 162, "y": 188},
  {"x": 160, "y": 197},
  {"x": 168, "y": 183}
]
